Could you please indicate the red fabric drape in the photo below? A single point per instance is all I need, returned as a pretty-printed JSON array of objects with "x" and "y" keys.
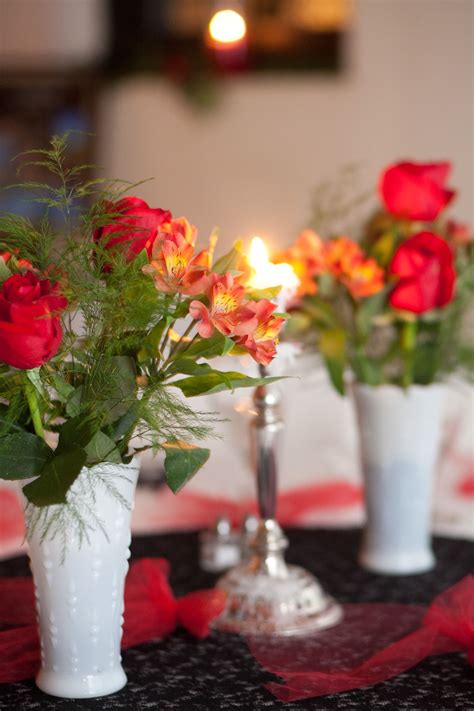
[
  {"x": 151, "y": 612},
  {"x": 375, "y": 642}
]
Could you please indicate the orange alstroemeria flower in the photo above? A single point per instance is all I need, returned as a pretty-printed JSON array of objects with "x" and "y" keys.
[
  {"x": 178, "y": 230},
  {"x": 228, "y": 311},
  {"x": 346, "y": 261},
  {"x": 261, "y": 343},
  {"x": 245, "y": 271},
  {"x": 366, "y": 278},
  {"x": 173, "y": 266},
  {"x": 306, "y": 256},
  {"x": 341, "y": 255}
]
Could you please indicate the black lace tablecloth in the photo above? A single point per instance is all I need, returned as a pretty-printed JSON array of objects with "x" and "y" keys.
[{"x": 220, "y": 673}]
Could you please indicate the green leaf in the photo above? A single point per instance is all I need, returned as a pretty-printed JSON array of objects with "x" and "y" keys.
[
  {"x": 80, "y": 356},
  {"x": 320, "y": 311},
  {"x": 120, "y": 398},
  {"x": 367, "y": 369},
  {"x": 5, "y": 273},
  {"x": 182, "y": 461},
  {"x": 77, "y": 432},
  {"x": 121, "y": 426},
  {"x": 22, "y": 455},
  {"x": 126, "y": 386},
  {"x": 332, "y": 346},
  {"x": 215, "y": 381},
  {"x": 102, "y": 449},
  {"x": 366, "y": 311},
  {"x": 217, "y": 345},
  {"x": 6, "y": 424},
  {"x": 64, "y": 390},
  {"x": 187, "y": 366},
  {"x": 332, "y": 343},
  {"x": 230, "y": 260},
  {"x": 383, "y": 248},
  {"x": 181, "y": 310},
  {"x": 34, "y": 377},
  {"x": 56, "y": 477},
  {"x": 150, "y": 345},
  {"x": 336, "y": 373},
  {"x": 270, "y": 293},
  {"x": 74, "y": 402},
  {"x": 140, "y": 260}
]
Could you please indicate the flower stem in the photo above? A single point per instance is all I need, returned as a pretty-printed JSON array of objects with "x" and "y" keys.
[
  {"x": 178, "y": 343},
  {"x": 33, "y": 404},
  {"x": 168, "y": 301},
  {"x": 408, "y": 335}
]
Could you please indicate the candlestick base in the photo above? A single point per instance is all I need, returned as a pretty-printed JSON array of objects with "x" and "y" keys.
[{"x": 267, "y": 597}]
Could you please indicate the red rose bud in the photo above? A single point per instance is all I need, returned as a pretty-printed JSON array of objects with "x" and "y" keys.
[
  {"x": 416, "y": 191},
  {"x": 426, "y": 276},
  {"x": 15, "y": 261},
  {"x": 30, "y": 327},
  {"x": 133, "y": 227},
  {"x": 458, "y": 233}
]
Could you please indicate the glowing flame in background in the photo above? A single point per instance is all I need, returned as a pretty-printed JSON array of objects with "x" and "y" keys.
[
  {"x": 227, "y": 27},
  {"x": 268, "y": 274}
]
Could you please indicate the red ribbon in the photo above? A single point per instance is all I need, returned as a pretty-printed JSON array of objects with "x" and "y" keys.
[
  {"x": 375, "y": 642},
  {"x": 151, "y": 612}
]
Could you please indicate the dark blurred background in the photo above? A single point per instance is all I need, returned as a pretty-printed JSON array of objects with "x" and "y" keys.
[{"x": 239, "y": 133}]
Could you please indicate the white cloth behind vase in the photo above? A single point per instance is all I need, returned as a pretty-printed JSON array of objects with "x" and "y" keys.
[
  {"x": 319, "y": 477},
  {"x": 319, "y": 456}
]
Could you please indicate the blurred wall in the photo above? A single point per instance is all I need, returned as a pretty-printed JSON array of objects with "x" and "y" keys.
[
  {"x": 52, "y": 34},
  {"x": 251, "y": 164}
]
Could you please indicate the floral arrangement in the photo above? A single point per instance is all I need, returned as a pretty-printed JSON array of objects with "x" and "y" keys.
[
  {"x": 92, "y": 300},
  {"x": 392, "y": 306}
]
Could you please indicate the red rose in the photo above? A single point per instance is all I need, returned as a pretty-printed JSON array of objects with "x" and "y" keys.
[
  {"x": 30, "y": 328},
  {"x": 416, "y": 191},
  {"x": 426, "y": 276},
  {"x": 133, "y": 228}
]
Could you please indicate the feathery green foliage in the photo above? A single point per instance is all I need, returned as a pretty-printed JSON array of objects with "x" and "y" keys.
[{"x": 110, "y": 391}]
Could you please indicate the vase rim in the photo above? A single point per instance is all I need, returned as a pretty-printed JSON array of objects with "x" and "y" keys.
[{"x": 391, "y": 386}]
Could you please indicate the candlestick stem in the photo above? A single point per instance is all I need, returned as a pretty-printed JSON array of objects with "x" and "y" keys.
[
  {"x": 265, "y": 596},
  {"x": 267, "y": 426}
]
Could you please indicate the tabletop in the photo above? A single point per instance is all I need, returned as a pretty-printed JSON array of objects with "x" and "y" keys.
[{"x": 220, "y": 673}]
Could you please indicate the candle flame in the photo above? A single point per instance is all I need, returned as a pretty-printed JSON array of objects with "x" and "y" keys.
[
  {"x": 258, "y": 256},
  {"x": 227, "y": 27},
  {"x": 268, "y": 274}
]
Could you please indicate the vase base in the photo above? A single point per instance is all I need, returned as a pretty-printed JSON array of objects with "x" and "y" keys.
[
  {"x": 77, "y": 686},
  {"x": 397, "y": 564}
]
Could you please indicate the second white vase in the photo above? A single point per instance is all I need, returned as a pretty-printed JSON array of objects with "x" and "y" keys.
[{"x": 399, "y": 444}]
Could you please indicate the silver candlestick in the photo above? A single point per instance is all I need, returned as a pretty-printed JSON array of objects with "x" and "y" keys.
[{"x": 265, "y": 596}]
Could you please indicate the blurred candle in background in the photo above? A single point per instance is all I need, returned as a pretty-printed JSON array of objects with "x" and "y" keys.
[
  {"x": 227, "y": 27},
  {"x": 267, "y": 275},
  {"x": 227, "y": 37}
]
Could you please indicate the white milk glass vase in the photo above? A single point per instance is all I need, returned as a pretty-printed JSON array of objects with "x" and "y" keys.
[
  {"x": 400, "y": 433},
  {"x": 79, "y": 565}
]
